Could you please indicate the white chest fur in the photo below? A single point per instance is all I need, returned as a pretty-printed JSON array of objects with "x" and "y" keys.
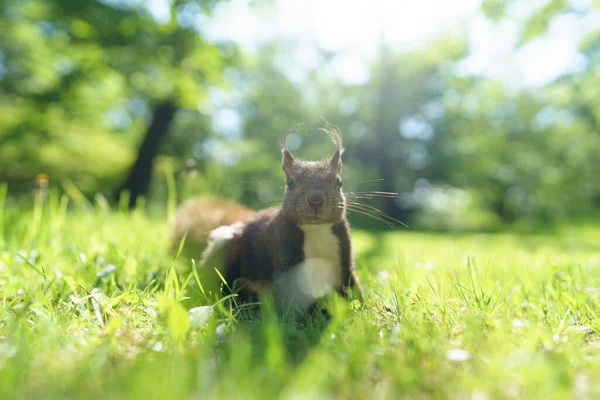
[{"x": 322, "y": 247}]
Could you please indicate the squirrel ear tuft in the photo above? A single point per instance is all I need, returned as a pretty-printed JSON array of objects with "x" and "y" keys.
[{"x": 336, "y": 137}]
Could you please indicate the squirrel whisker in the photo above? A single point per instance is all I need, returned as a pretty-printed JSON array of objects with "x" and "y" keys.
[
  {"x": 377, "y": 192},
  {"x": 376, "y": 210},
  {"x": 371, "y": 180},
  {"x": 375, "y": 214},
  {"x": 372, "y": 195},
  {"x": 366, "y": 213},
  {"x": 369, "y": 197}
]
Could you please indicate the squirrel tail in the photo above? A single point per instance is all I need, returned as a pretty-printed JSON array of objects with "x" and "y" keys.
[{"x": 197, "y": 217}]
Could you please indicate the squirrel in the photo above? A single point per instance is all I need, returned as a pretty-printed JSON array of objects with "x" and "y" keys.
[{"x": 300, "y": 249}]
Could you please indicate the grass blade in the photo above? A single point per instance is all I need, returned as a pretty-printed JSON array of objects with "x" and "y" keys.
[{"x": 3, "y": 196}]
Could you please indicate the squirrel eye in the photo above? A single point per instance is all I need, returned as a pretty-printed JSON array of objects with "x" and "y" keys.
[
  {"x": 290, "y": 183},
  {"x": 338, "y": 183}
]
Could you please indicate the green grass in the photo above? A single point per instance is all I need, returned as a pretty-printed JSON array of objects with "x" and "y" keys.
[{"x": 93, "y": 306}]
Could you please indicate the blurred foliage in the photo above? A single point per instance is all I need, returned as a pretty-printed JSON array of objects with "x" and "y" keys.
[{"x": 79, "y": 81}]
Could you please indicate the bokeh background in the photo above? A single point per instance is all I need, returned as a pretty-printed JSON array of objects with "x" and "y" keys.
[{"x": 479, "y": 114}]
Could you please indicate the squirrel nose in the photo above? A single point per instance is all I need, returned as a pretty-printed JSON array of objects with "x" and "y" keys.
[{"x": 315, "y": 199}]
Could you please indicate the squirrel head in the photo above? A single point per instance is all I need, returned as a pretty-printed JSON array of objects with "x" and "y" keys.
[{"x": 313, "y": 193}]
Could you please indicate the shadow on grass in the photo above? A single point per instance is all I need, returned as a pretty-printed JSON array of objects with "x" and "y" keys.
[{"x": 273, "y": 330}]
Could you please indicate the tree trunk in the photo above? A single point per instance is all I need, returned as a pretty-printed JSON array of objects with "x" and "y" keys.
[{"x": 138, "y": 182}]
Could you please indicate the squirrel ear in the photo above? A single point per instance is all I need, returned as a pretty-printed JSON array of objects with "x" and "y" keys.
[
  {"x": 288, "y": 162},
  {"x": 336, "y": 137},
  {"x": 336, "y": 161},
  {"x": 288, "y": 158}
]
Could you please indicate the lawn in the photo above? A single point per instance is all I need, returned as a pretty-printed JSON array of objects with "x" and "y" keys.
[{"x": 93, "y": 306}]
